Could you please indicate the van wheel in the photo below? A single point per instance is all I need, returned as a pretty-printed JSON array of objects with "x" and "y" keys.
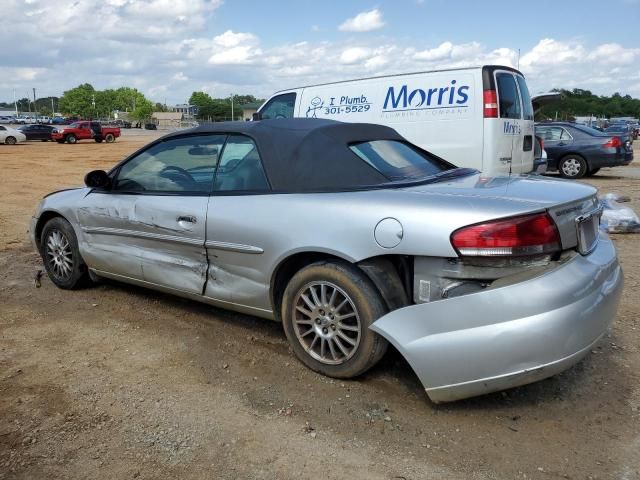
[
  {"x": 573, "y": 166},
  {"x": 327, "y": 309},
  {"x": 592, "y": 172},
  {"x": 109, "y": 138}
]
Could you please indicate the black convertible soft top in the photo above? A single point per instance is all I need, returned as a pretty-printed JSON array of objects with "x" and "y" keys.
[{"x": 305, "y": 154}]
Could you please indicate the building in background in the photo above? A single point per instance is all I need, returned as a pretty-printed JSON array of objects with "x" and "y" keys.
[
  {"x": 166, "y": 120},
  {"x": 249, "y": 109},
  {"x": 189, "y": 112}
]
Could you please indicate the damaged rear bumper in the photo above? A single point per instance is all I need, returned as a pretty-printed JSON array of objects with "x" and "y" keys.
[{"x": 508, "y": 336}]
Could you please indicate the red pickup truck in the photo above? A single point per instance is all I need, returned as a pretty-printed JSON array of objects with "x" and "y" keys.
[{"x": 85, "y": 130}]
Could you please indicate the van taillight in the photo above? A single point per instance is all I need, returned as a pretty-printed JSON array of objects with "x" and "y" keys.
[
  {"x": 490, "y": 100},
  {"x": 526, "y": 235},
  {"x": 614, "y": 142}
]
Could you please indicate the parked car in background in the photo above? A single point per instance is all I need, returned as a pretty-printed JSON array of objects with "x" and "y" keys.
[
  {"x": 6, "y": 120},
  {"x": 623, "y": 130},
  {"x": 515, "y": 289},
  {"x": 11, "y": 136},
  {"x": 44, "y": 119},
  {"x": 85, "y": 130},
  {"x": 121, "y": 123},
  {"x": 37, "y": 131},
  {"x": 575, "y": 150},
  {"x": 58, "y": 121}
]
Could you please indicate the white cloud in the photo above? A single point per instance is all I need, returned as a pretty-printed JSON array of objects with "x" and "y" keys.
[
  {"x": 231, "y": 39},
  {"x": 440, "y": 52},
  {"x": 180, "y": 77},
  {"x": 363, "y": 22},
  {"x": 235, "y": 56},
  {"x": 353, "y": 55}
]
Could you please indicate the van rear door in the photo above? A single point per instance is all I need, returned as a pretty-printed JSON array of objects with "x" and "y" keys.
[{"x": 508, "y": 122}]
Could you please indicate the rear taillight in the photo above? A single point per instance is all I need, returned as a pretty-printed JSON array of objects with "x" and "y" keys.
[
  {"x": 526, "y": 235},
  {"x": 490, "y": 101},
  {"x": 614, "y": 142}
]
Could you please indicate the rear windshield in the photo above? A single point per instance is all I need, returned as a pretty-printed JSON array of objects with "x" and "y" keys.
[{"x": 399, "y": 161}]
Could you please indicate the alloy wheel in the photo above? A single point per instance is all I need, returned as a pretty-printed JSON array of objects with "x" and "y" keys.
[
  {"x": 326, "y": 322},
  {"x": 59, "y": 255}
]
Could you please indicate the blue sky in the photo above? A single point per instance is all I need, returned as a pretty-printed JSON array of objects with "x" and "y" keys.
[{"x": 170, "y": 48}]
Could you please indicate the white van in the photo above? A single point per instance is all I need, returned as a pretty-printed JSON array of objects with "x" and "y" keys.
[{"x": 480, "y": 117}]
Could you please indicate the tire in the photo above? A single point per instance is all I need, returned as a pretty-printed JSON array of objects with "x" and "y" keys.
[
  {"x": 60, "y": 141},
  {"x": 317, "y": 337},
  {"x": 10, "y": 140},
  {"x": 109, "y": 138},
  {"x": 98, "y": 140},
  {"x": 592, "y": 172},
  {"x": 71, "y": 139},
  {"x": 61, "y": 257},
  {"x": 573, "y": 166}
]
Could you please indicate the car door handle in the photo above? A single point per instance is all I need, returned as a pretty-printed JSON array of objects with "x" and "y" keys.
[{"x": 187, "y": 218}]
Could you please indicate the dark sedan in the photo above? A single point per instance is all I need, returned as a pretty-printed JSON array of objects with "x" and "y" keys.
[
  {"x": 37, "y": 132},
  {"x": 576, "y": 150},
  {"x": 623, "y": 130}
]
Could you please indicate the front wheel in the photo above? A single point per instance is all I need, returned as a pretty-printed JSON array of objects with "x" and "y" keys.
[
  {"x": 573, "y": 166},
  {"x": 61, "y": 256},
  {"x": 327, "y": 309},
  {"x": 10, "y": 140},
  {"x": 71, "y": 139},
  {"x": 109, "y": 138}
]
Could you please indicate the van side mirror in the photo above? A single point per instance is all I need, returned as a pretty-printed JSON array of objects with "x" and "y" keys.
[
  {"x": 256, "y": 116},
  {"x": 97, "y": 179}
]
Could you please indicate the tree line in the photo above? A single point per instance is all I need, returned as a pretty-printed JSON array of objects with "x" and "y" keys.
[
  {"x": 579, "y": 102},
  {"x": 84, "y": 101}
]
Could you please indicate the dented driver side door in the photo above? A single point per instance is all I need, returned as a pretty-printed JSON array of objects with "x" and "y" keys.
[{"x": 150, "y": 227}]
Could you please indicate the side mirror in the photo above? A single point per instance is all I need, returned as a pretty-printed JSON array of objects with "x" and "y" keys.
[
  {"x": 97, "y": 179},
  {"x": 256, "y": 116}
]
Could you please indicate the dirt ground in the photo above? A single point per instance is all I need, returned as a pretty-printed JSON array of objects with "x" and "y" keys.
[{"x": 118, "y": 382}]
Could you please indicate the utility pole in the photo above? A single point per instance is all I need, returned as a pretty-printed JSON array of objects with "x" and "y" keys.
[
  {"x": 232, "y": 107},
  {"x": 15, "y": 103},
  {"x": 35, "y": 108},
  {"x": 53, "y": 110}
]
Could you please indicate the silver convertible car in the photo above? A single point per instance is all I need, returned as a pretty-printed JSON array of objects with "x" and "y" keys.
[{"x": 353, "y": 238}]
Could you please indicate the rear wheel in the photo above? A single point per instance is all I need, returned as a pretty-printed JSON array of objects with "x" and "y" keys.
[
  {"x": 10, "y": 140},
  {"x": 109, "y": 138},
  {"x": 71, "y": 139},
  {"x": 327, "y": 309},
  {"x": 573, "y": 166}
]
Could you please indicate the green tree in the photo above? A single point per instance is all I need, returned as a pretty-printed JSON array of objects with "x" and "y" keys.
[
  {"x": 79, "y": 101},
  {"x": 143, "y": 111}
]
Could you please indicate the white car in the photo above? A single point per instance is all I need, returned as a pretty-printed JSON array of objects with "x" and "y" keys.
[{"x": 11, "y": 136}]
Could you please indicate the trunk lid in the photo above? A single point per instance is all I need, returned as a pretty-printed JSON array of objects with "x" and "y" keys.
[{"x": 566, "y": 201}]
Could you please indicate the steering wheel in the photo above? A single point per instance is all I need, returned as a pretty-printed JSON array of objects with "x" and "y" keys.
[{"x": 181, "y": 173}]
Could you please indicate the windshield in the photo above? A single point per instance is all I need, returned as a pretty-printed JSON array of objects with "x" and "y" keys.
[{"x": 399, "y": 161}]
